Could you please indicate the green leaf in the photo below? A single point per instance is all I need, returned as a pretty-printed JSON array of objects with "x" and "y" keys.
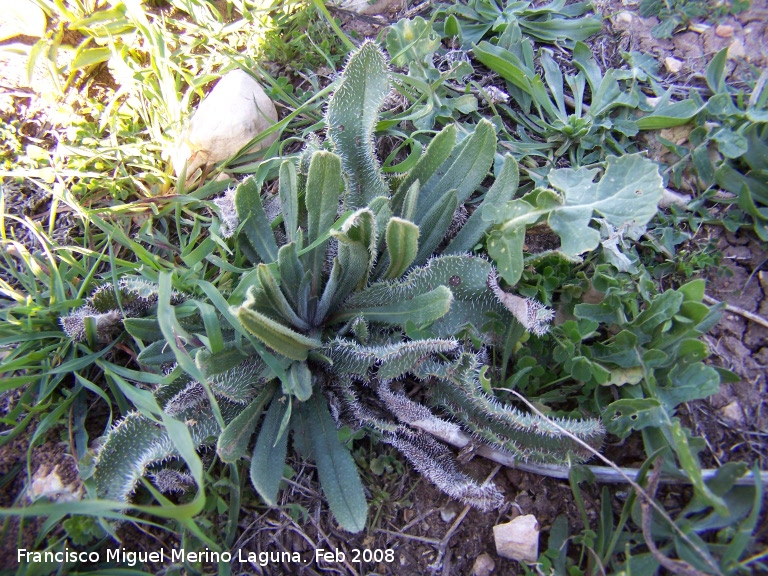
[
  {"x": 435, "y": 224},
  {"x": 352, "y": 266},
  {"x": 623, "y": 416},
  {"x": 670, "y": 115},
  {"x": 277, "y": 301},
  {"x": 437, "y": 152},
  {"x": 278, "y": 337},
  {"x": 716, "y": 72},
  {"x": 352, "y": 114},
  {"x": 324, "y": 186},
  {"x": 89, "y": 57},
  {"x": 234, "y": 439},
  {"x": 269, "y": 453},
  {"x": 464, "y": 173},
  {"x": 687, "y": 383},
  {"x": 628, "y": 193},
  {"x": 299, "y": 381},
  {"x": 411, "y": 41},
  {"x": 336, "y": 469},
  {"x": 256, "y": 229},
  {"x": 502, "y": 191},
  {"x": 289, "y": 199},
  {"x": 291, "y": 271},
  {"x": 402, "y": 239},
  {"x": 692, "y": 466},
  {"x": 421, "y": 309}
]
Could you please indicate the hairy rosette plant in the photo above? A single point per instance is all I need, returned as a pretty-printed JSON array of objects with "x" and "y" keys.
[{"x": 348, "y": 305}]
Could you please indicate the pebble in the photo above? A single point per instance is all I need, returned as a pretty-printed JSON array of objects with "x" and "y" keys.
[
  {"x": 484, "y": 565},
  {"x": 724, "y": 31},
  {"x": 624, "y": 16},
  {"x": 449, "y": 511},
  {"x": 518, "y": 539},
  {"x": 736, "y": 49},
  {"x": 733, "y": 413},
  {"x": 673, "y": 65}
]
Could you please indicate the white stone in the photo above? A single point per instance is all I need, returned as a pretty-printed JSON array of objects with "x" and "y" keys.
[
  {"x": 736, "y": 49},
  {"x": 21, "y": 18},
  {"x": 673, "y": 65},
  {"x": 624, "y": 16},
  {"x": 236, "y": 110},
  {"x": 733, "y": 414},
  {"x": 518, "y": 539},
  {"x": 48, "y": 484},
  {"x": 484, "y": 565}
]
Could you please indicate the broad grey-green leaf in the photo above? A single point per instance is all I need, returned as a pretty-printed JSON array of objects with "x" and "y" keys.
[
  {"x": 338, "y": 474},
  {"x": 623, "y": 416},
  {"x": 421, "y": 309},
  {"x": 402, "y": 239},
  {"x": 299, "y": 382},
  {"x": 464, "y": 174},
  {"x": 353, "y": 111},
  {"x": 256, "y": 227},
  {"x": 504, "y": 187},
  {"x": 234, "y": 439},
  {"x": 628, "y": 193},
  {"x": 434, "y": 225},
  {"x": 277, "y": 299},
  {"x": 278, "y": 337},
  {"x": 289, "y": 198},
  {"x": 436, "y": 153},
  {"x": 324, "y": 186},
  {"x": 269, "y": 453}
]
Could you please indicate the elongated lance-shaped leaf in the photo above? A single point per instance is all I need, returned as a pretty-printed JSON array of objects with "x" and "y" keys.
[
  {"x": 299, "y": 381},
  {"x": 422, "y": 309},
  {"x": 473, "y": 303},
  {"x": 233, "y": 441},
  {"x": 352, "y": 266},
  {"x": 504, "y": 187},
  {"x": 526, "y": 435},
  {"x": 269, "y": 453},
  {"x": 353, "y": 111},
  {"x": 289, "y": 198},
  {"x": 137, "y": 442},
  {"x": 402, "y": 239},
  {"x": 257, "y": 231},
  {"x": 324, "y": 186},
  {"x": 211, "y": 363},
  {"x": 436, "y": 153},
  {"x": 277, "y": 299},
  {"x": 338, "y": 473},
  {"x": 436, "y": 462},
  {"x": 274, "y": 334},
  {"x": 435, "y": 225},
  {"x": 291, "y": 272},
  {"x": 463, "y": 171},
  {"x": 393, "y": 360}
]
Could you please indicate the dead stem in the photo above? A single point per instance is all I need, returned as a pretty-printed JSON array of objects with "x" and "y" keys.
[{"x": 740, "y": 311}]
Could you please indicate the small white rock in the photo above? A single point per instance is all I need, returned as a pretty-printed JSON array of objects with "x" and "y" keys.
[
  {"x": 449, "y": 512},
  {"x": 673, "y": 65},
  {"x": 736, "y": 49},
  {"x": 518, "y": 539},
  {"x": 624, "y": 16},
  {"x": 733, "y": 413},
  {"x": 484, "y": 565},
  {"x": 22, "y": 18},
  {"x": 236, "y": 110}
]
